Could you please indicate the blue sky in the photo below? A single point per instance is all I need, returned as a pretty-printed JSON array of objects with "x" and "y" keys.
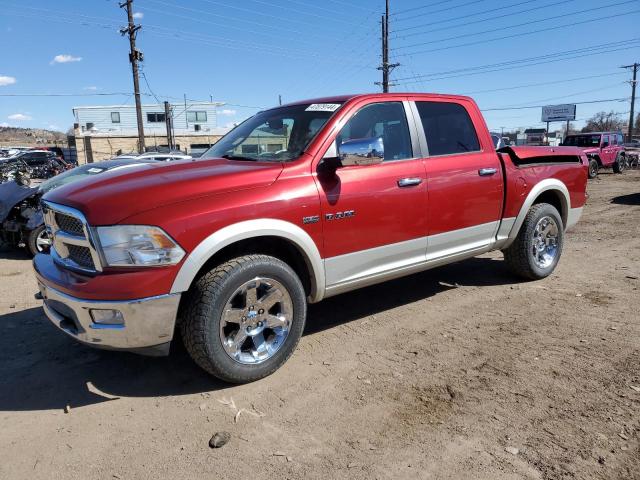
[{"x": 506, "y": 54}]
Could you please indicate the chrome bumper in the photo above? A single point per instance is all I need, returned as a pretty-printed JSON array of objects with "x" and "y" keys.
[{"x": 147, "y": 328}]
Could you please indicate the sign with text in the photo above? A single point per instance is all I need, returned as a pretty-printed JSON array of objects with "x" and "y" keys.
[{"x": 558, "y": 113}]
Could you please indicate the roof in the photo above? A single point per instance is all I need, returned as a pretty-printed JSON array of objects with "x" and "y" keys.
[
  {"x": 595, "y": 133},
  {"x": 150, "y": 105},
  {"x": 345, "y": 98}
]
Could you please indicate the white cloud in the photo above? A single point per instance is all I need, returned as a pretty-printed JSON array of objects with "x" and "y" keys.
[
  {"x": 65, "y": 58},
  {"x": 138, "y": 15},
  {"x": 93, "y": 88},
  {"x": 227, "y": 111},
  {"x": 4, "y": 124},
  {"x": 6, "y": 80},
  {"x": 20, "y": 117}
]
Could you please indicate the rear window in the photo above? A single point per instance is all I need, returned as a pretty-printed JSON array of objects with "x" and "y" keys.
[{"x": 448, "y": 128}]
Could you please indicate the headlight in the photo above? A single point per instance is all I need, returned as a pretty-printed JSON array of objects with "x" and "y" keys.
[{"x": 138, "y": 245}]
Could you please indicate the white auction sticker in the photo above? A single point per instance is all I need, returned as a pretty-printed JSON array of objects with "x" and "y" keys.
[
  {"x": 323, "y": 107},
  {"x": 95, "y": 170}
]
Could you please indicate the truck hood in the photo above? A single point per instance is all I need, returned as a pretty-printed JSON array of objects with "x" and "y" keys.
[{"x": 111, "y": 197}]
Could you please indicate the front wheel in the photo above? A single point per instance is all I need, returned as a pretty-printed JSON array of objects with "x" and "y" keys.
[
  {"x": 536, "y": 250},
  {"x": 38, "y": 241},
  {"x": 242, "y": 320}
]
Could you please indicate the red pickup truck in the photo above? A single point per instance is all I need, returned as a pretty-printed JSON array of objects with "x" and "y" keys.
[{"x": 298, "y": 203}]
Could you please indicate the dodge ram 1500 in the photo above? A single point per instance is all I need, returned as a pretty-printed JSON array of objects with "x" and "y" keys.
[{"x": 298, "y": 203}]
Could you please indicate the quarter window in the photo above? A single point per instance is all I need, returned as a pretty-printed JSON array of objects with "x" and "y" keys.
[
  {"x": 196, "y": 117},
  {"x": 448, "y": 128},
  {"x": 382, "y": 124},
  {"x": 115, "y": 117}
]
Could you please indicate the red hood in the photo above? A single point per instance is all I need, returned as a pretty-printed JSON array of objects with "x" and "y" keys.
[{"x": 111, "y": 197}]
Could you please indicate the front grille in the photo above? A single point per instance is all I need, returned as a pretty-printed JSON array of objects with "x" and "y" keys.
[
  {"x": 69, "y": 224},
  {"x": 81, "y": 256}
]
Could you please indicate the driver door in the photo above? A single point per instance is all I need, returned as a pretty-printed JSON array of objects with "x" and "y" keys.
[{"x": 374, "y": 213}]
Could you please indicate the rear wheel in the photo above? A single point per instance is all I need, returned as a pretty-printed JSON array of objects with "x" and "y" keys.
[
  {"x": 536, "y": 250},
  {"x": 38, "y": 241},
  {"x": 620, "y": 164},
  {"x": 593, "y": 168},
  {"x": 243, "y": 319}
]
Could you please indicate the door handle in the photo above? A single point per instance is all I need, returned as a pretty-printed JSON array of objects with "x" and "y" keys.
[
  {"x": 409, "y": 182},
  {"x": 485, "y": 172}
]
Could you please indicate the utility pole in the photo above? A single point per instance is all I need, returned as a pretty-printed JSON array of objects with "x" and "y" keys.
[
  {"x": 168, "y": 120},
  {"x": 135, "y": 56},
  {"x": 386, "y": 67},
  {"x": 279, "y": 99},
  {"x": 634, "y": 82}
]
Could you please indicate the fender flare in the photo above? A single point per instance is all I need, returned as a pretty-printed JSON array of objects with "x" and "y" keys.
[
  {"x": 549, "y": 184},
  {"x": 251, "y": 229}
]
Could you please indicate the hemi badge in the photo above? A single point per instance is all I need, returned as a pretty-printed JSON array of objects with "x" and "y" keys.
[{"x": 311, "y": 219}]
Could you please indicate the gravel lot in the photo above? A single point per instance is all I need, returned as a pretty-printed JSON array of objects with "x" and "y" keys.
[{"x": 460, "y": 372}]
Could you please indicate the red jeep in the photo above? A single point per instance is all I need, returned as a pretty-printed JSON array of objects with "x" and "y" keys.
[
  {"x": 604, "y": 149},
  {"x": 298, "y": 203}
]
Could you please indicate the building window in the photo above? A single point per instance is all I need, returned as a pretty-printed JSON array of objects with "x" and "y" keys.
[
  {"x": 115, "y": 117},
  {"x": 250, "y": 149},
  {"x": 196, "y": 117},
  {"x": 156, "y": 117}
]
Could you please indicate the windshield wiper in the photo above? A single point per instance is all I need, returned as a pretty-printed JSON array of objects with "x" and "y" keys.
[{"x": 238, "y": 157}]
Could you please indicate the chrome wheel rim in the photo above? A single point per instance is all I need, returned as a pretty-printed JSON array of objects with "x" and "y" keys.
[
  {"x": 43, "y": 241},
  {"x": 545, "y": 242},
  {"x": 256, "y": 321}
]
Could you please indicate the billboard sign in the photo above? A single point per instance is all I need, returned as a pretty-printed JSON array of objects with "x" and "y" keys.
[{"x": 558, "y": 113}]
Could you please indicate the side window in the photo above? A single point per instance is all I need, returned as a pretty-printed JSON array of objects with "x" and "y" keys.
[
  {"x": 448, "y": 128},
  {"x": 614, "y": 139},
  {"x": 379, "y": 128},
  {"x": 605, "y": 141},
  {"x": 620, "y": 139}
]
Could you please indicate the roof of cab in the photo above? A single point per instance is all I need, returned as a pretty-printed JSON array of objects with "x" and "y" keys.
[{"x": 345, "y": 98}]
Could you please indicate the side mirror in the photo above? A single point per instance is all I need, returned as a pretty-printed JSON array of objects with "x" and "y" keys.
[{"x": 361, "y": 151}]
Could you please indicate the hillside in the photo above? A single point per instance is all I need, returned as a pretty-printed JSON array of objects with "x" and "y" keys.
[{"x": 29, "y": 136}]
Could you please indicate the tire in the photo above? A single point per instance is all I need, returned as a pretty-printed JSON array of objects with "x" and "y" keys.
[
  {"x": 219, "y": 302},
  {"x": 620, "y": 164},
  {"x": 524, "y": 256},
  {"x": 593, "y": 168},
  {"x": 38, "y": 241}
]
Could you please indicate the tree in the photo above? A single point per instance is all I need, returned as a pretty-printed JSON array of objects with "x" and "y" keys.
[{"x": 604, "y": 122}]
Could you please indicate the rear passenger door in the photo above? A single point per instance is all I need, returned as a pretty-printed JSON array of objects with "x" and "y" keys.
[{"x": 464, "y": 177}]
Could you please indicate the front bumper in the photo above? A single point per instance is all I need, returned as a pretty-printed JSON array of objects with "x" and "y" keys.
[{"x": 147, "y": 327}]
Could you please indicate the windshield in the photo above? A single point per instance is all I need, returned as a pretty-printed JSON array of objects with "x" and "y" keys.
[
  {"x": 582, "y": 141},
  {"x": 279, "y": 134}
]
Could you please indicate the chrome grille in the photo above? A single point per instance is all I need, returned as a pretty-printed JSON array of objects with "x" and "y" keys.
[
  {"x": 81, "y": 255},
  {"x": 73, "y": 245},
  {"x": 69, "y": 224}
]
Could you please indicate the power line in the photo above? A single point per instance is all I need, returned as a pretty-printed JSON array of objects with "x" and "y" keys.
[
  {"x": 433, "y": 12},
  {"x": 512, "y": 63},
  {"x": 452, "y": 19},
  {"x": 540, "y": 84},
  {"x": 515, "y": 35},
  {"x": 527, "y": 107},
  {"x": 492, "y": 18}
]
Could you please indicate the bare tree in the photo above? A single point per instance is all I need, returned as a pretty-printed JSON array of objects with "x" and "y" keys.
[{"x": 604, "y": 122}]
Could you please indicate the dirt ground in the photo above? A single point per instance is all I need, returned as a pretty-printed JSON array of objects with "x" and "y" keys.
[{"x": 440, "y": 375}]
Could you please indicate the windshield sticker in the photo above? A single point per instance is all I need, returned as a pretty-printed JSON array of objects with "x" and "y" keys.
[
  {"x": 95, "y": 170},
  {"x": 322, "y": 107}
]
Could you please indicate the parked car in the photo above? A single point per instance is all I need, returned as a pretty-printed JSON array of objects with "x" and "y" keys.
[
  {"x": 41, "y": 164},
  {"x": 604, "y": 150},
  {"x": 165, "y": 156},
  {"x": 21, "y": 219},
  {"x": 228, "y": 250},
  {"x": 499, "y": 141}
]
